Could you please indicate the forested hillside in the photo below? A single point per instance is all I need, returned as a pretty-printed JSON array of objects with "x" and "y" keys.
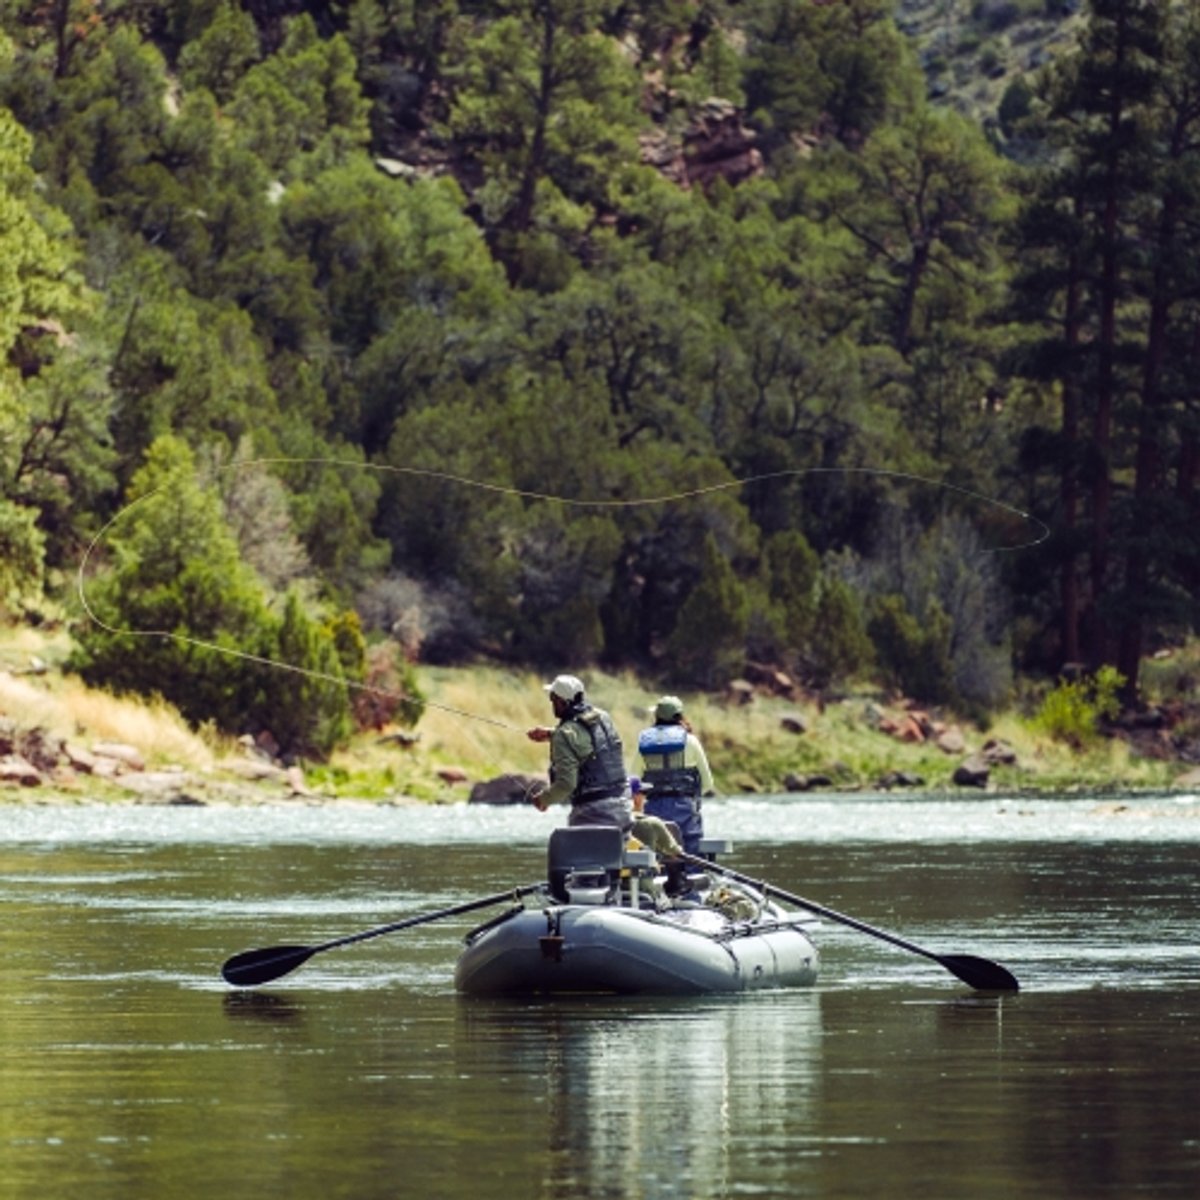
[
  {"x": 281, "y": 277},
  {"x": 982, "y": 56}
]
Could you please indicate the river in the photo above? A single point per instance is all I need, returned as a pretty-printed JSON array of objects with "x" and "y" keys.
[{"x": 129, "y": 1069}]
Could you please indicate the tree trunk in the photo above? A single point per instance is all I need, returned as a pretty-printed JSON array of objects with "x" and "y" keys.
[
  {"x": 1148, "y": 472},
  {"x": 520, "y": 216},
  {"x": 1069, "y": 493},
  {"x": 1098, "y": 650}
]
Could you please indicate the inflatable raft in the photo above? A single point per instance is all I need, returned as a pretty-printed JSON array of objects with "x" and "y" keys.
[{"x": 612, "y": 921}]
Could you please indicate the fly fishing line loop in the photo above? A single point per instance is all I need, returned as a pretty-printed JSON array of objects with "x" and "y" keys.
[{"x": 1040, "y": 533}]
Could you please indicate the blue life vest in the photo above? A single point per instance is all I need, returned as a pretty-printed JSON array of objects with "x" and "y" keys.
[{"x": 661, "y": 748}]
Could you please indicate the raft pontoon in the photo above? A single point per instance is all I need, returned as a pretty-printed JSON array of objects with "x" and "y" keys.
[{"x": 612, "y": 920}]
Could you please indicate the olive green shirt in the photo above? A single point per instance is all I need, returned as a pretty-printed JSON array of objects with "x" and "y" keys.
[{"x": 570, "y": 745}]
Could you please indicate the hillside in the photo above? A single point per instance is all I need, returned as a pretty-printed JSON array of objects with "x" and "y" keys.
[
  {"x": 972, "y": 51},
  {"x": 378, "y": 338}
]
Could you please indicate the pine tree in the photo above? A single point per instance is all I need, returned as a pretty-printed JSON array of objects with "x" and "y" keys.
[
  {"x": 707, "y": 646},
  {"x": 1110, "y": 251}
]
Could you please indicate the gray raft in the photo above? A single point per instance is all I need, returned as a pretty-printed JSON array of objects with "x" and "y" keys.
[{"x": 608, "y": 925}]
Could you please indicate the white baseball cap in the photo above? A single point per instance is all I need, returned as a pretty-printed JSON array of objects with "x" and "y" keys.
[{"x": 565, "y": 687}]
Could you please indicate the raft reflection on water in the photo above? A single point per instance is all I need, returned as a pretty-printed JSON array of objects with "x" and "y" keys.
[{"x": 656, "y": 1089}]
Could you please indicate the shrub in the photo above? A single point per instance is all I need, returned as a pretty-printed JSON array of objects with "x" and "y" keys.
[
  {"x": 1015, "y": 105},
  {"x": 21, "y": 556},
  {"x": 793, "y": 570},
  {"x": 840, "y": 647},
  {"x": 996, "y": 15},
  {"x": 180, "y": 615},
  {"x": 707, "y": 645},
  {"x": 390, "y": 694},
  {"x": 939, "y": 612},
  {"x": 304, "y": 704},
  {"x": 914, "y": 654},
  {"x": 1071, "y": 712}
]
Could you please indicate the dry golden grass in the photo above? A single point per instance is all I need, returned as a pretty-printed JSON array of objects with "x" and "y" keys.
[
  {"x": 477, "y": 718},
  {"x": 68, "y": 709},
  {"x": 154, "y": 727}
]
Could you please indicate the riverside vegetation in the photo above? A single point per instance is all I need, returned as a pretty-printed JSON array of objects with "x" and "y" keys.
[
  {"x": 671, "y": 336},
  {"x": 751, "y": 748}
]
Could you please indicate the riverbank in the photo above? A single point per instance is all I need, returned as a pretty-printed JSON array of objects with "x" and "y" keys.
[{"x": 762, "y": 736}]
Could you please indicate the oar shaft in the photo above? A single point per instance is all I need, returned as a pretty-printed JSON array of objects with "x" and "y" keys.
[
  {"x": 978, "y": 972},
  {"x": 253, "y": 967},
  {"x": 423, "y": 918}
]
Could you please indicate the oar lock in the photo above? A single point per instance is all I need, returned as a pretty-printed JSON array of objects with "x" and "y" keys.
[{"x": 551, "y": 942}]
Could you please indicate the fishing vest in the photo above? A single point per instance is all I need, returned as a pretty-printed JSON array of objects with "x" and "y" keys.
[
  {"x": 602, "y": 774},
  {"x": 661, "y": 748}
]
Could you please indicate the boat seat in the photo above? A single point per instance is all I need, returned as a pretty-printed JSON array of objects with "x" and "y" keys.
[{"x": 583, "y": 848}]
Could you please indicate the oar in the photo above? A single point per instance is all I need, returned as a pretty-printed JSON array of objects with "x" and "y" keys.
[
  {"x": 978, "y": 972},
  {"x": 253, "y": 967}
]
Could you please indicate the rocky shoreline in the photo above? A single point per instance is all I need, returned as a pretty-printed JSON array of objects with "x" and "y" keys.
[{"x": 39, "y": 766}]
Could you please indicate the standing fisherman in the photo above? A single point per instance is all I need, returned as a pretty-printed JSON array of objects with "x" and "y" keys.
[
  {"x": 587, "y": 764},
  {"x": 675, "y": 771}
]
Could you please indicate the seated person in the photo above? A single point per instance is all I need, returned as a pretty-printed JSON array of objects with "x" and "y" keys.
[{"x": 653, "y": 832}]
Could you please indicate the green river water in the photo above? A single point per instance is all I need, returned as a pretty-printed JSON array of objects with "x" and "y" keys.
[{"x": 128, "y": 1069}]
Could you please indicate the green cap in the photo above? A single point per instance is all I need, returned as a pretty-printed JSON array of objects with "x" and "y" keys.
[{"x": 669, "y": 708}]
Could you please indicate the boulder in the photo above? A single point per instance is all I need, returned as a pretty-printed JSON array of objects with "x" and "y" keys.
[
  {"x": 923, "y": 721},
  {"x": 665, "y": 154},
  {"x": 998, "y": 753},
  {"x": 951, "y": 741},
  {"x": 40, "y": 749},
  {"x": 765, "y": 675},
  {"x": 157, "y": 786},
  {"x": 14, "y": 769},
  {"x": 505, "y": 789},
  {"x": 717, "y": 145},
  {"x": 972, "y": 772},
  {"x": 805, "y": 783},
  {"x": 265, "y": 741},
  {"x": 293, "y": 778},
  {"x": 899, "y": 779},
  {"x": 78, "y": 758},
  {"x": 128, "y": 756},
  {"x": 256, "y": 769}
]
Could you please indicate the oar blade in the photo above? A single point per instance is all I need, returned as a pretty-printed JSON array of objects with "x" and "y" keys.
[
  {"x": 981, "y": 974},
  {"x": 252, "y": 967}
]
